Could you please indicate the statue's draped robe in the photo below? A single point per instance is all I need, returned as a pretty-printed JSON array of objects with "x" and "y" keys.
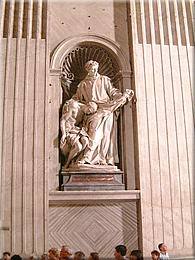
[{"x": 100, "y": 91}]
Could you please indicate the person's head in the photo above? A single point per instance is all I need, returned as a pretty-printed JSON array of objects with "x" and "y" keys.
[
  {"x": 90, "y": 108},
  {"x": 16, "y": 257},
  {"x": 162, "y": 247},
  {"x": 65, "y": 252},
  {"x": 53, "y": 253},
  {"x": 6, "y": 255},
  {"x": 44, "y": 257},
  {"x": 31, "y": 257},
  {"x": 92, "y": 67},
  {"x": 155, "y": 255},
  {"x": 136, "y": 255},
  {"x": 93, "y": 256},
  {"x": 120, "y": 251},
  {"x": 71, "y": 107},
  {"x": 79, "y": 255}
]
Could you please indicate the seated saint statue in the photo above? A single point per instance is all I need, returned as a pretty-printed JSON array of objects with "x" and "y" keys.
[{"x": 98, "y": 100}]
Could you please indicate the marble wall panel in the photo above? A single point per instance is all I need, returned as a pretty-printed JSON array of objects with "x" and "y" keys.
[{"x": 94, "y": 227}]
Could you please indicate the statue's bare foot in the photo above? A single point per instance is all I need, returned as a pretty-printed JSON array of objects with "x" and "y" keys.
[
  {"x": 102, "y": 162},
  {"x": 84, "y": 161},
  {"x": 110, "y": 162}
]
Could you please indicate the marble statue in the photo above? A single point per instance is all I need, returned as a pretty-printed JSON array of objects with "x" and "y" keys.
[
  {"x": 91, "y": 139},
  {"x": 74, "y": 139}
]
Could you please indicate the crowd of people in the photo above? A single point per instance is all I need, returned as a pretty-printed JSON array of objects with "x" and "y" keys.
[{"x": 120, "y": 253}]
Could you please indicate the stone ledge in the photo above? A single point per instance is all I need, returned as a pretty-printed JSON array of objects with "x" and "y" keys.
[{"x": 85, "y": 197}]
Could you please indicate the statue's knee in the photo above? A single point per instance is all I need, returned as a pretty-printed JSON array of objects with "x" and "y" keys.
[{"x": 78, "y": 146}]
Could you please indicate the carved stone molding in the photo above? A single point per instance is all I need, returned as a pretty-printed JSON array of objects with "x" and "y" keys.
[
  {"x": 83, "y": 197},
  {"x": 54, "y": 72}
]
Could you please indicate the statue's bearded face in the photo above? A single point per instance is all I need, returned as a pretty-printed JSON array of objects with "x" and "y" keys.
[{"x": 92, "y": 67}]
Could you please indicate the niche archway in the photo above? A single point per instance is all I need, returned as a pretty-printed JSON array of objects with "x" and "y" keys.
[{"x": 67, "y": 66}]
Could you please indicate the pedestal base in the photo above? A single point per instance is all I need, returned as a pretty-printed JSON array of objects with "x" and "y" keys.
[{"x": 96, "y": 179}]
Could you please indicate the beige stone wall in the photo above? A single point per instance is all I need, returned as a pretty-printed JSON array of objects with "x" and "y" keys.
[
  {"x": 23, "y": 146},
  {"x": 107, "y": 19},
  {"x": 160, "y": 52},
  {"x": 23, "y": 129},
  {"x": 164, "y": 85},
  {"x": 30, "y": 103}
]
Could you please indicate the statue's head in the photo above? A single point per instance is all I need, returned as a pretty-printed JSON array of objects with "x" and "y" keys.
[
  {"x": 91, "y": 65},
  {"x": 90, "y": 108},
  {"x": 71, "y": 107}
]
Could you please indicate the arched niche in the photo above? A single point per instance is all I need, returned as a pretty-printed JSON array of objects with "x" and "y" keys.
[
  {"x": 66, "y": 69},
  {"x": 58, "y": 55}
]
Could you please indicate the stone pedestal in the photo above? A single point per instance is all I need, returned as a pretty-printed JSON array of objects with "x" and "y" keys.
[{"x": 92, "y": 178}]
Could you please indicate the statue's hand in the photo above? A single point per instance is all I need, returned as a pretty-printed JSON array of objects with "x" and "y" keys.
[
  {"x": 129, "y": 93},
  {"x": 117, "y": 95}
]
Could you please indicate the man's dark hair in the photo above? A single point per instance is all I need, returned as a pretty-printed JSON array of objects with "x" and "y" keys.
[
  {"x": 79, "y": 255},
  {"x": 137, "y": 253},
  {"x": 16, "y": 257},
  {"x": 6, "y": 253},
  {"x": 155, "y": 252},
  {"x": 121, "y": 249},
  {"x": 159, "y": 246},
  {"x": 94, "y": 255}
]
